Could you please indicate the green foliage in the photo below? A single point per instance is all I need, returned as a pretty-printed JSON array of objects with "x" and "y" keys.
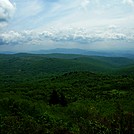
[
  {"x": 30, "y": 64},
  {"x": 57, "y": 99},
  {"x": 81, "y": 101}
]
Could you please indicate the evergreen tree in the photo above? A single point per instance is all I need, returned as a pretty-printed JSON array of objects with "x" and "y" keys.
[
  {"x": 63, "y": 100},
  {"x": 54, "y": 98}
]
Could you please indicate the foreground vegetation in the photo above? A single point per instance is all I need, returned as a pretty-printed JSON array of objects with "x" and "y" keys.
[{"x": 73, "y": 101}]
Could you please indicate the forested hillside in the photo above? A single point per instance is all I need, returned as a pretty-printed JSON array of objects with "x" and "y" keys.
[
  {"x": 66, "y": 94},
  {"x": 61, "y": 63}
]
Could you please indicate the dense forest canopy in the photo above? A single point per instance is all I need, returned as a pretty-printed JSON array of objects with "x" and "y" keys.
[{"x": 71, "y": 95}]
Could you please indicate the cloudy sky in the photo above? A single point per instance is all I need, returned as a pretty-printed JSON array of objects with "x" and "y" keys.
[{"x": 27, "y": 25}]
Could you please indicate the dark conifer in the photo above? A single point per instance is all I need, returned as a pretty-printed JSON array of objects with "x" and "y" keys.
[
  {"x": 54, "y": 98},
  {"x": 63, "y": 101}
]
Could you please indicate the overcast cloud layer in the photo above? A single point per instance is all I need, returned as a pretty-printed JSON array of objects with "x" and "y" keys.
[{"x": 45, "y": 24}]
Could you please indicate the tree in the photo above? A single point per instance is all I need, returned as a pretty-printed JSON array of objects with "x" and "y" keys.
[
  {"x": 54, "y": 98},
  {"x": 63, "y": 100}
]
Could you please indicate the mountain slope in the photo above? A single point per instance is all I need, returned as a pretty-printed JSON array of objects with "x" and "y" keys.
[{"x": 59, "y": 63}]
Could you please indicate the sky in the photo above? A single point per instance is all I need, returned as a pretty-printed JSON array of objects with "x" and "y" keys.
[{"x": 29, "y": 25}]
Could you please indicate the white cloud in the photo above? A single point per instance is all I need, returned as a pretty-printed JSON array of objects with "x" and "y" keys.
[
  {"x": 2, "y": 24},
  {"x": 85, "y": 3},
  {"x": 129, "y": 2},
  {"x": 6, "y": 10},
  {"x": 67, "y": 35},
  {"x": 71, "y": 21},
  {"x": 97, "y": 38}
]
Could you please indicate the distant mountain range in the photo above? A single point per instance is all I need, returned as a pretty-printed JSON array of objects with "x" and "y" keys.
[{"x": 128, "y": 54}]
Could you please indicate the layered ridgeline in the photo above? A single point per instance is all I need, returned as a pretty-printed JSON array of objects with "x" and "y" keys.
[
  {"x": 66, "y": 94},
  {"x": 36, "y": 64}
]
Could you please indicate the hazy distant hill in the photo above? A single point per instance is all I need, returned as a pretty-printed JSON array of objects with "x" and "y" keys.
[
  {"x": 128, "y": 54},
  {"x": 59, "y": 63},
  {"x": 87, "y": 52}
]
